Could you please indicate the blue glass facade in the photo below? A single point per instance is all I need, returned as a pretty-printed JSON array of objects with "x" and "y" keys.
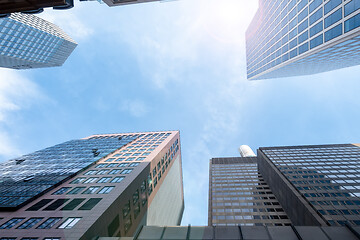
[
  {"x": 286, "y": 31},
  {"x": 28, "y": 176},
  {"x": 327, "y": 176},
  {"x": 27, "y": 41}
]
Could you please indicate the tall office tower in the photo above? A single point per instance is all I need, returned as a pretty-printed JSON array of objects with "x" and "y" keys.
[
  {"x": 27, "y": 41},
  {"x": 113, "y": 3},
  {"x": 102, "y": 185},
  {"x": 300, "y": 37},
  {"x": 316, "y": 185},
  {"x": 238, "y": 195}
]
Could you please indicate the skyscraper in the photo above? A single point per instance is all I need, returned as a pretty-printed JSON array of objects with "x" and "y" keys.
[
  {"x": 102, "y": 185},
  {"x": 238, "y": 195},
  {"x": 27, "y": 41},
  {"x": 33, "y": 6},
  {"x": 315, "y": 185},
  {"x": 322, "y": 181},
  {"x": 300, "y": 37}
]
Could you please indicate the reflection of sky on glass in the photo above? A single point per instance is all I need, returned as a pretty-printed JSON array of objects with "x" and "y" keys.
[{"x": 165, "y": 66}]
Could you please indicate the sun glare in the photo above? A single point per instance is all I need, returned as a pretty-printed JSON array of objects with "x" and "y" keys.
[{"x": 227, "y": 20}]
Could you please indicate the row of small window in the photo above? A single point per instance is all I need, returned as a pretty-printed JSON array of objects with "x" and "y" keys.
[
  {"x": 316, "y": 182},
  {"x": 330, "y": 195},
  {"x": 120, "y": 159},
  {"x": 90, "y": 190},
  {"x": 244, "y": 199},
  {"x": 47, "y": 224},
  {"x": 248, "y": 217},
  {"x": 96, "y": 179},
  {"x": 251, "y": 204},
  {"x": 241, "y": 193},
  {"x": 237, "y": 184},
  {"x": 337, "y": 203},
  {"x": 335, "y": 187},
  {"x": 338, "y": 212},
  {"x": 108, "y": 171},
  {"x": 239, "y": 189},
  {"x": 114, "y": 165},
  {"x": 88, "y": 205}
]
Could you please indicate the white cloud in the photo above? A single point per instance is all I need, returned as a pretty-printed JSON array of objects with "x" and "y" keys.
[
  {"x": 69, "y": 22},
  {"x": 136, "y": 108},
  {"x": 16, "y": 93}
]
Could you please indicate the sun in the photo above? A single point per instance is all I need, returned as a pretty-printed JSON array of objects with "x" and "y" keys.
[{"x": 227, "y": 20}]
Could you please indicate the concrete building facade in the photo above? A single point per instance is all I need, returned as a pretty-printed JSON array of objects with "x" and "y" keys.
[{"x": 102, "y": 185}]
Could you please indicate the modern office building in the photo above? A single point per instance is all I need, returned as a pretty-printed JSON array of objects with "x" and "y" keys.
[
  {"x": 238, "y": 195},
  {"x": 316, "y": 185},
  {"x": 301, "y": 37},
  {"x": 27, "y": 41},
  {"x": 103, "y": 185}
]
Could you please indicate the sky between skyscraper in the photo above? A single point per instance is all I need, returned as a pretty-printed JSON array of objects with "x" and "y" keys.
[
  {"x": 102, "y": 185},
  {"x": 27, "y": 41},
  {"x": 300, "y": 37}
]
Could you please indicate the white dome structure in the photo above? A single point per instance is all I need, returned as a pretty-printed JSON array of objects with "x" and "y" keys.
[{"x": 246, "y": 151}]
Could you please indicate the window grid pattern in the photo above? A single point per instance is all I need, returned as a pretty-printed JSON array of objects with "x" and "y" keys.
[
  {"x": 328, "y": 177},
  {"x": 239, "y": 195},
  {"x": 284, "y": 29},
  {"x": 27, "y": 41},
  {"x": 27, "y": 176}
]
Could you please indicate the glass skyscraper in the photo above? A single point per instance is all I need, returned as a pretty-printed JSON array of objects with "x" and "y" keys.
[
  {"x": 103, "y": 185},
  {"x": 316, "y": 185},
  {"x": 300, "y": 37},
  {"x": 27, "y": 41}
]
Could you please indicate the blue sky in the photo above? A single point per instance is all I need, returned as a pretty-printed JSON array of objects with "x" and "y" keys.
[{"x": 177, "y": 65}]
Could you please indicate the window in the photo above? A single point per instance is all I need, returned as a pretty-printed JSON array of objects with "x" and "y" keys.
[
  {"x": 91, "y": 172},
  {"x": 76, "y": 190},
  {"x": 62, "y": 191},
  {"x": 49, "y": 223},
  {"x": 117, "y": 179},
  {"x": 73, "y": 204},
  {"x": 140, "y": 159},
  {"x": 90, "y": 204},
  {"x": 101, "y": 165},
  {"x": 111, "y": 165},
  {"x": 106, "y": 190},
  {"x": 91, "y": 190},
  {"x": 126, "y": 209},
  {"x": 39, "y": 205},
  {"x": 134, "y": 164},
  {"x": 333, "y": 33},
  {"x": 101, "y": 172},
  {"x": 29, "y": 223},
  {"x": 146, "y": 153},
  {"x": 29, "y": 238},
  {"x": 51, "y": 238},
  {"x": 135, "y": 197},
  {"x": 119, "y": 159},
  {"x": 130, "y": 159},
  {"x": 12, "y": 222},
  {"x": 69, "y": 223},
  {"x": 126, "y": 171},
  {"x": 352, "y": 23},
  {"x": 78, "y": 180},
  {"x": 104, "y": 180},
  {"x": 55, "y": 205},
  {"x": 110, "y": 160},
  {"x": 123, "y": 164},
  {"x": 115, "y": 171},
  {"x": 91, "y": 180}
]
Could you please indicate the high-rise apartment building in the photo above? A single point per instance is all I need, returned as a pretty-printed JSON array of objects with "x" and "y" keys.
[
  {"x": 238, "y": 195},
  {"x": 300, "y": 37},
  {"x": 27, "y": 41},
  {"x": 316, "y": 185},
  {"x": 102, "y": 185}
]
